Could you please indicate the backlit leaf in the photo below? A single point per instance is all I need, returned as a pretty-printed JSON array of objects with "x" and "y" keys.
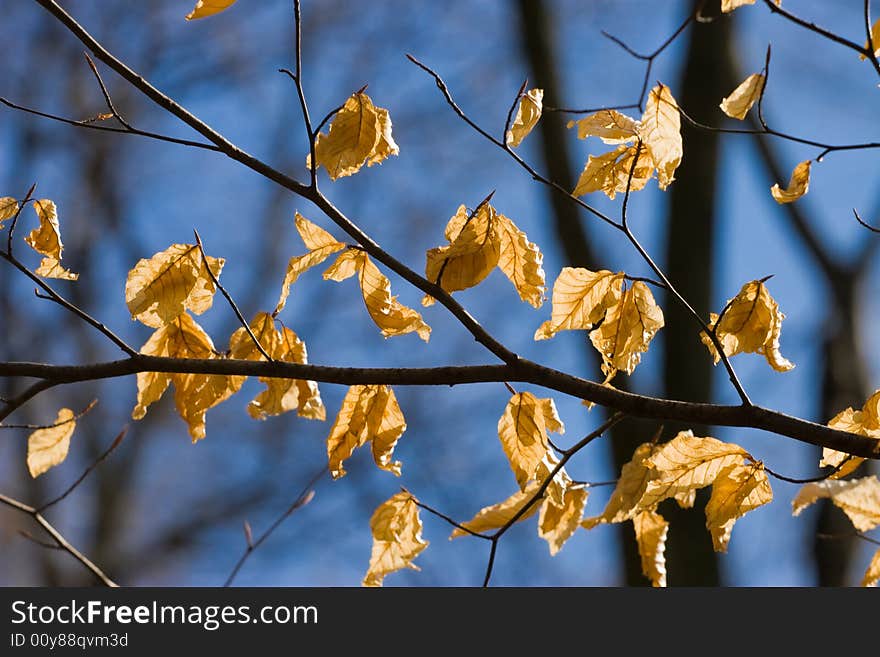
[
  {"x": 859, "y": 499},
  {"x": 556, "y": 524},
  {"x": 8, "y": 209},
  {"x": 205, "y": 8},
  {"x": 161, "y": 288},
  {"x": 386, "y": 311},
  {"x": 609, "y": 172},
  {"x": 729, "y": 5},
  {"x": 527, "y": 115},
  {"x": 610, "y": 126},
  {"x": 651, "y": 530},
  {"x": 498, "y": 515},
  {"x": 661, "y": 133},
  {"x": 627, "y": 330},
  {"x": 752, "y": 323},
  {"x": 872, "y": 575},
  {"x": 397, "y": 538},
  {"x": 738, "y": 489},
  {"x": 741, "y": 99},
  {"x": 523, "y": 432},
  {"x": 625, "y": 501},
  {"x": 875, "y": 39},
  {"x": 865, "y": 422},
  {"x": 687, "y": 463},
  {"x": 48, "y": 447},
  {"x": 359, "y": 133},
  {"x": 798, "y": 185},
  {"x": 520, "y": 260},
  {"x": 46, "y": 240},
  {"x": 580, "y": 299},
  {"x": 368, "y": 414}
]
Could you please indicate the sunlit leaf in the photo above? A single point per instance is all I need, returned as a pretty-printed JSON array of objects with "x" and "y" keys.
[
  {"x": 627, "y": 330},
  {"x": 527, "y": 115},
  {"x": 872, "y": 575},
  {"x": 610, "y": 172},
  {"x": 523, "y": 432},
  {"x": 359, "y": 133},
  {"x": 386, "y": 311},
  {"x": 397, "y": 538},
  {"x": 498, "y": 515},
  {"x": 741, "y": 99},
  {"x": 610, "y": 126},
  {"x": 798, "y": 185},
  {"x": 580, "y": 300},
  {"x": 520, "y": 260},
  {"x": 651, "y": 530},
  {"x": 752, "y": 323},
  {"x": 48, "y": 447},
  {"x": 368, "y": 414},
  {"x": 875, "y": 39},
  {"x": 205, "y": 8},
  {"x": 661, "y": 133},
  {"x": 46, "y": 240},
  {"x": 687, "y": 463},
  {"x": 729, "y": 5},
  {"x": 8, "y": 209},
  {"x": 556, "y": 524},
  {"x": 161, "y": 288},
  {"x": 624, "y": 503},
  {"x": 738, "y": 489},
  {"x": 865, "y": 422},
  {"x": 858, "y": 498}
]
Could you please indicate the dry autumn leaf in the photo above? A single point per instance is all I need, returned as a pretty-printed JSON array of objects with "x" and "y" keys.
[
  {"x": 741, "y": 99},
  {"x": 397, "y": 538},
  {"x": 46, "y": 240},
  {"x": 523, "y": 429},
  {"x": 858, "y": 498},
  {"x": 625, "y": 501},
  {"x": 556, "y": 524},
  {"x": 728, "y": 6},
  {"x": 738, "y": 489},
  {"x": 8, "y": 209},
  {"x": 651, "y": 530},
  {"x": 580, "y": 300},
  {"x": 865, "y": 422},
  {"x": 321, "y": 245},
  {"x": 163, "y": 287},
  {"x": 48, "y": 447},
  {"x": 751, "y": 323},
  {"x": 368, "y": 414},
  {"x": 875, "y": 39},
  {"x": 206, "y": 8},
  {"x": 661, "y": 133},
  {"x": 627, "y": 330},
  {"x": 194, "y": 394},
  {"x": 520, "y": 260},
  {"x": 609, "y": 172},
  {"x": 527, "y": 115},
  {"x": 359, "y": 133},
  {"x": 872, "y": 574},
  {"x": 798, "y": 185},
  {"x": 498, "y": 515},
  {"x": 610, "y": 126}
]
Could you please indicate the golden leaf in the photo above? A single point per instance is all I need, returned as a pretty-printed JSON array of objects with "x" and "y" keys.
[
  {"x": 872, "y": 575},
  {"x": 859, "y": 499},
  {"x": 472, "y": 253},
  {"x": 161, "y": 288},
  {"x": 386, "y": 311},
  {"x": 397, "y": 538},
  {"x": 368, "y": 414},
  {"x": 798, "y": 185},
  {"x": 627, "y": 330},
  {"x": 580, "y": 299},
  {"x": 46, "y": 240},
  {"x": 205, "y": 8},
  {"x": 661, "y": 133},
  {"x": 344, "y": 267},
  {"x": 498, "y": 515},
  {"x": 610, "y": 126},
  {"x": 741, "y": 99},
  {"x": 194, "y": 394},
  {"x": 685, "y": 464},
  {"x": 523, "y": 432},
  {"x": 520, "y": 260},
  {"x": 48, "y": 447},
  {"x": 556, "y": 524},
  {"x": 360, "y": 132},
  {"x": 8, "y": 209},
  {"x": 729, "y": 5},
  {"x": 752, "y": 323},
  {"x": 736, "y": 490},
  {"x": 875, "y": 39},
  {"x": 527, "y": 115},
  {"x": 651, "y": 530},
  {"x": 609, "y": 172},
  {"x": 624, "y": 503},
  {"x": 321, "y": 245},
  {"x": 865, "y": 422},
  {"x": 561, "y": 482}
]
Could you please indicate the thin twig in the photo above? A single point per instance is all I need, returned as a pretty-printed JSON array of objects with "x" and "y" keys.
[
  {"x": 846, "y": 535},
  {"x": 230, "y": 300},
  {"x": 873, "y": 229},
  {"x": 76, "y": 417},
  {"x": 516, "y": 100},
  {"x": 29, "y": 393},
  {"x": 304, "y": 497},
  {"x": 808, "y": 480},
  {"x": 452, "y": 522},
  {"x": 27, "y": 197}
]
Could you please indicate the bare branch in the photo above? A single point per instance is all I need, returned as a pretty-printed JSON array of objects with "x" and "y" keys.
[{"x": 76, "y": 417}]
